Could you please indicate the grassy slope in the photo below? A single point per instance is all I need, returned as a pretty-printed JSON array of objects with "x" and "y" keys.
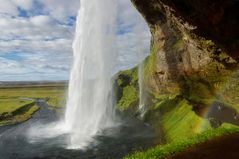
[
  {"x": 128, "y": 87},
  {"x": 176, "y": 118},
  {"x": 8, "y": 105},
  {"x": 14, "y": 109},
  {"x": 175, "y": 115},
  {"x": 162, "y": 151},
  {"x": 182, "y": 122},
  {"x": 20, "y": 117}
]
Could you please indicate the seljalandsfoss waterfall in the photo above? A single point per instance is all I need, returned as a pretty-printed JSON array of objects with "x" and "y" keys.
[
  {"x": 90, "y": 125},
  {"x": 147, "y": 79},
  {"x": 90, "y": 98}
]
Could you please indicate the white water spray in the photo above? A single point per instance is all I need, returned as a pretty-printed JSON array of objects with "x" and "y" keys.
[
  {"x": 90, "y": 101},
  {"x": 142, "y": 107}
]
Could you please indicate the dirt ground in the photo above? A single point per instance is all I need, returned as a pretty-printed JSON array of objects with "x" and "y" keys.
[{"x": 225, "y": 147}]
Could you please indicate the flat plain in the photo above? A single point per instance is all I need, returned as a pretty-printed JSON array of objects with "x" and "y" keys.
[{"x": 18, "y": 100}]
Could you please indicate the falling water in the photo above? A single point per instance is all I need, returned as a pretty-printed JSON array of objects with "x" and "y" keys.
[
  {"x": 90, "y": 101},
  {"x": 142, "y": 107},
  {"x": 141, "y": 56}
]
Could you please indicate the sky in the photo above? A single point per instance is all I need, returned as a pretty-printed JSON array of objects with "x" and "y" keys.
[{"x": 36, "y": 38}]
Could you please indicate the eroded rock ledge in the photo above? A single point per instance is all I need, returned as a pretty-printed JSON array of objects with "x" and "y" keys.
[
  {"x": 193, "y": 63},
  {"x": 213, "y": 19},
  {"x": 194, "y": 47}
]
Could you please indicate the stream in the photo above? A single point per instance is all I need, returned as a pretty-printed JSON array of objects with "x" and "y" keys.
[{"x": 129, "y": 136}]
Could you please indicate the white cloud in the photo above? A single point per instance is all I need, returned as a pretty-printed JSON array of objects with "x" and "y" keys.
[
  {"x": 61, "y": 9},
  {"x": 43, "y": 42},
  {"x": 24, "y": 4},
  {"x": 8, "y": 7},
  {"x": 11, "y": 67},
  {"x": 134, "y": 36},
  {"x": 37, "y": 27}
]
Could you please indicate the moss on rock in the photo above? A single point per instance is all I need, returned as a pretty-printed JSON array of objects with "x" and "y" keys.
[
  {"x": 127, "y": 85},
  {"x": 187, "y": 68},
  {"x": 176, "y": 118},
  {"x": 129, "y": 97},
  {"x": 182, "y": 122}
]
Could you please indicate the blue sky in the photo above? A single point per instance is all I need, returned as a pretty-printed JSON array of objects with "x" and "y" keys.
[{"x": 36, "y": 38}]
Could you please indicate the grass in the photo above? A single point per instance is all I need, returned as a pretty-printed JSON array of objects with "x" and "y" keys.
[
  {"x": 14, "y": 108},
  {"x": 132, "y": 73},
  {"x": 182, "y": 122},
  {"x": 127, "y": 82},
  {"x": 56, "y": 94},
  {"x": 18, "y": 113},
  {"x": 130, "y": 95},
  {"x": 176, "y": 118},
  {"x": 21, "y": 117},
  {"x": 163, "y": 151},
  {"x": 8, "y": 105}
]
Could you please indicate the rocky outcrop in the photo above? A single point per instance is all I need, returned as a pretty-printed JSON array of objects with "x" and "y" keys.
[
  {"x": 212, "y": 19},
  {"x": 194, "y": 48},
  {"x": 193, "y": 61}
]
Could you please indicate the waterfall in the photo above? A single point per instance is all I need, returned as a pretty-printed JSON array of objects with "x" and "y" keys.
[
  {"x": 142, "y": 108},
  {"x": 90, "y": 101},
  {"x": 141, "y": 55}
]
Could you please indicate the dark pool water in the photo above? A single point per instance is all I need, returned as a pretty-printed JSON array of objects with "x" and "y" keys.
[
  {"x": 218, "y": 113},
  {"x": 129, "y": 136}
]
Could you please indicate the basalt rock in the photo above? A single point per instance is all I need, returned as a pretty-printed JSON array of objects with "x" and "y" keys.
[{"x": 194, "y": 48}]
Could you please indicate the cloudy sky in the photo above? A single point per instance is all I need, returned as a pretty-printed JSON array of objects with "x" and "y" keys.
[{"x": 36, "y": 38}]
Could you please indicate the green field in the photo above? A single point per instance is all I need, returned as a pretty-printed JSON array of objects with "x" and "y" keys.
[{"x": 17, "y": 103}]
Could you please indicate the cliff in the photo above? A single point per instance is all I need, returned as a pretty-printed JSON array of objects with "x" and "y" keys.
[{"x": 192, "y": 65}]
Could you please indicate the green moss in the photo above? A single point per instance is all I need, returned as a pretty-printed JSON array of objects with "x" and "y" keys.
[
  {"x": 131, "y": 73},
  {"x": 127, "y": 82},
  {"x": 206, "y": 43},
  {"x": 119, "y": 82},
  {"x": 168, "y": 91},
  {"x": 176, "y": 118},
  {"x": 178, "y": 44},
  {"x": 182, "y": 122},
  {"x": 150, "y": 63},
  {"x": 216, "y": 52},
  {"x": 163, "y": 151},
  {"x": 130, "y": 95},
  {"x": 204, "y": 85}
]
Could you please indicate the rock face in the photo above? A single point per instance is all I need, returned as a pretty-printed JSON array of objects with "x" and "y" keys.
[
  {"x": 193, "y": 61},
  {"x": 212, "y": 19},
  {"x": 194, "y": 48}
]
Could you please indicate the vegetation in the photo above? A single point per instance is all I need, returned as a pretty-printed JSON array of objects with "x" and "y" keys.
[
  {"x": 149, "y": 64},
  {"x": 55, "y": 95},
  {"x": 127, "y": 83},
  {"x": 130, "y": 95},
  {"x": 25, "y": 113},
  {"x": 173, "y": 113},
  {"x": 17, "y": 104},
  {"x": 9, "y": 105},
  {"x": 184, "y": 74},
  {"x": 162, "y": 151},
  {"x": 182, "y": 122},
  {"x": 176, "y": 118}
]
